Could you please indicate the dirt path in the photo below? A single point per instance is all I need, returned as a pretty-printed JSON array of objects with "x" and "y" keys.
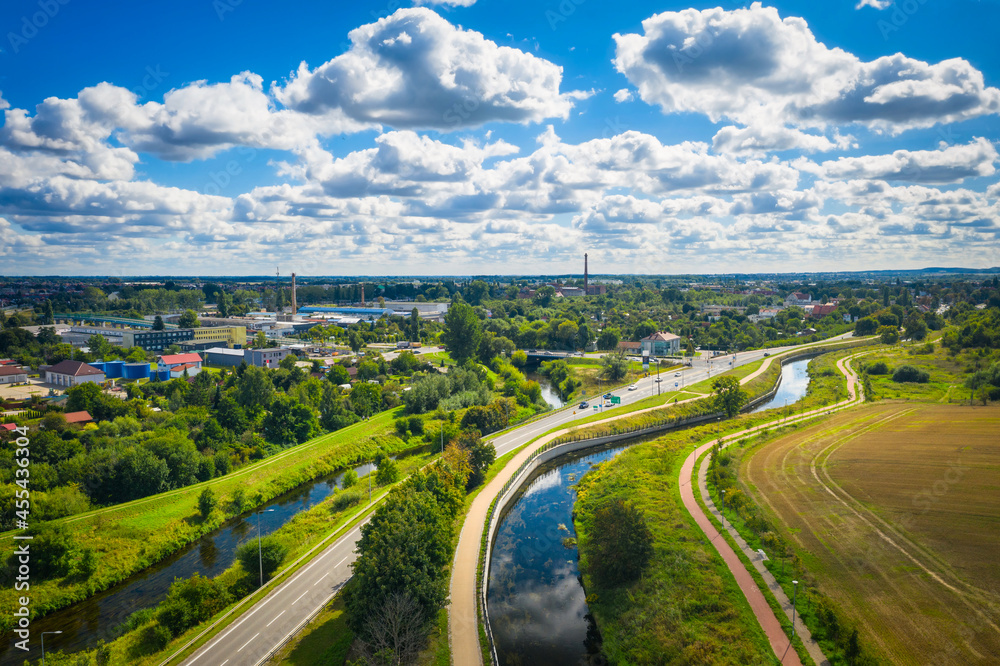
[{"x": 463, "y": 619}]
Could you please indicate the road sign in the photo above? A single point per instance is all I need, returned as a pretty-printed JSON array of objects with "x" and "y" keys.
[
  {"x": 615, "y": 400},
  {"x": 675, "y": 384}
]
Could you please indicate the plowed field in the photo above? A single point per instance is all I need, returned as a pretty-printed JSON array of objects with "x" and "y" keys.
[{"x": 895, "y": 509}]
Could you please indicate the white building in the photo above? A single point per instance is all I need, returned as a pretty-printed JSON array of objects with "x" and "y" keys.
[{"x": 73, "y": 373}]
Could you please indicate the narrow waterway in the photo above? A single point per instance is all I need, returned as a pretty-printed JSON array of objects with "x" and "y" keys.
[
  {"x": 793, "y": 386},
  {"x": 549, "y": 392},
  {"x": 84, "y": 623},
  {"x": 536, "y": 602}
]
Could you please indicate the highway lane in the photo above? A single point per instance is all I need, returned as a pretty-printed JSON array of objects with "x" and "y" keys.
[{"x": 273, "y": 620}]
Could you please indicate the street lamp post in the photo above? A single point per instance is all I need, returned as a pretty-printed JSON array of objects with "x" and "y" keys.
[
  {"x": 795, "y": 587},
  {"x": 43, "y": 643},
  {"x": 260, "y": 552}
]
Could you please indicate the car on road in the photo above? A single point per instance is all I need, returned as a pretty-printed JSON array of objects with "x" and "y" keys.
[
  {"x": 632, "y": 387},
  {"x": 584, "y": 405},
  {"x": 677, "y": 374},
  {"x": 766, "y": 354},
  {"x": 607, "y": 396}
]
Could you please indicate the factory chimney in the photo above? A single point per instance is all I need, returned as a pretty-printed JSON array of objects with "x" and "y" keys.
[
  {"x": 362, "y": 294},
  {"x": 585, "y": 280},
  {"x": 294, "y": 306}
]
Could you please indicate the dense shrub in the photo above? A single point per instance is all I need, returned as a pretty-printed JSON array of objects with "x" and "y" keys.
[
  {"x": 878, "y": 368},
  {"x": 192, "y": 601},
  {"x": 909, "y": 373},
  {"x": 388, "y": 472},
  {"x": 349, "y": 478}
]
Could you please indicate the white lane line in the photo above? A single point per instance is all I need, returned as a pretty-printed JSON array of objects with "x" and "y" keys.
[
  {"x": 248, "y": 642},
  {"x": 321, "y": 579},
  {"x": 300, "y": 596},
  {"x": 224, "y": 663},
  {"x": 275, "y": 618},
  {"x": 340, "y": 562}
]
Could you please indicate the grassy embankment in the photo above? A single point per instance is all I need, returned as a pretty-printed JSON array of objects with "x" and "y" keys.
[
  {"x": 303, "y": 533},
  {"x": 129, "y": 537},
  {"x": 686, "y": 607}
]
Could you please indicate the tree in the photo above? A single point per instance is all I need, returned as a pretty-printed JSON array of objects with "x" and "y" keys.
[
  {"x": 158, "y": 323},
  {"x": 544, "y": 295},
  {"x": 289, "y": 421},
  {"x": 689, "y": 349},
  {"x": 865, "y": 326},
  {"x": 207, "y": 501},
  {"x": 268, "y": 556},
  {"x": 349, "y": 479},
  {"x": 519, "y": 358},
  {"x": 338, "y": 375},
  {"x": 608, "y": 339},
  {"x": 366, "y": 399},
  {"x": 620, "y": 544},
  {"x": 909, "y": 373},
  {"x": 189, "y": 320},
  {"x": 387, "y": 473},
  {"x": 367, "y": 370},
  {"x": 48, "y": 316},
  {"x": 414, "y": 325},
  {"x": 354, "y": 341},
  {"x": 254, "y": 389},
  {"x": 475, "y": 292},
  {"x": 729, "y": 397},
  {"x": 260, "y": 340},
  {"x": 615, "y": 365},
  {"x": 916, "y": 329},
  {"x": 481, "y": 456},
  {"x": 462, "y": 332},
  {"x": 583, "y": 336},
  {"x": 888, "y": 334},
  {"x": 390, "y": 636}
]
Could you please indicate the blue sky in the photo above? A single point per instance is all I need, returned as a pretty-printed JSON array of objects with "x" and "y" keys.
[{"x": 474, "y": 136}]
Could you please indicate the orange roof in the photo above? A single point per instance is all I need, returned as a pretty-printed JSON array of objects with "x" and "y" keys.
[
  {"x": 171, "y": 359},
  {"x": 182, "y": 368},
  {"x": 78, "y": 417}
]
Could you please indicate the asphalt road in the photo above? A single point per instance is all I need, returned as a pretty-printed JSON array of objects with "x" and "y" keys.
[{"x": 271, "y": 621}]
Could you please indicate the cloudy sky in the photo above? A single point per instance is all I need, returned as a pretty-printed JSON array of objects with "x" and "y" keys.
[{"x": 478, "y": 136}]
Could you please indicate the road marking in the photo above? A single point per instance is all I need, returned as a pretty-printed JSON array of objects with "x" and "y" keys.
[
  {"x": 321, "y": 579},
  {"x": 275, "y": 618},
  {"x": 300, "y": 596},
  {"x": 340, "y": 562},
  {"x": 248, "y": 642}
]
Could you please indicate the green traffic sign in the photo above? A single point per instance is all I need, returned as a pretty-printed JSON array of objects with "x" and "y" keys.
[{"x": 615, "y": 400}]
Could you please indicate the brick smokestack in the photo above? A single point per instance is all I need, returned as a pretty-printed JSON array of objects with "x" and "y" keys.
[
  {"x": 294, "y": 306},
  {"x": 362, "y": 293},
  {"x": 585, "y": 278}
]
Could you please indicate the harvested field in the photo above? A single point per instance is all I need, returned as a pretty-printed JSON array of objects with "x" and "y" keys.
[{"x": 895, "y": 511}]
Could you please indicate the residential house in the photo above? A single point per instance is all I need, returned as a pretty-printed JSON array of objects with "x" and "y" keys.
[{"x": 12, "y": 374}]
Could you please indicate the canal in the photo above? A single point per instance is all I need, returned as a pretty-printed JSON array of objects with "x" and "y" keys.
[{"x": 535, "y": 598}]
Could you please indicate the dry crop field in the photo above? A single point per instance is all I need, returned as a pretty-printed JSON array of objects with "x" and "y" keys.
[{"x": 895, "y": 510}]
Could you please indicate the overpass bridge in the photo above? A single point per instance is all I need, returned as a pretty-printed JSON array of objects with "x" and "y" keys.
[
  {"x": 106, "y": 319},
  {"x": 538, "y": 355}
]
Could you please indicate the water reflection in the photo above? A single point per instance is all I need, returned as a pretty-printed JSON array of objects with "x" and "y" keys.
[
  {"x": 537, "y": 605},
  {"x": 793, "y": 386}
]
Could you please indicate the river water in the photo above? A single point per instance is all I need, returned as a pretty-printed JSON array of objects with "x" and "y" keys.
[
  {"x": 536, "y": 602},
  {"x": 549, "y": 393},
  {"x": 86, "y": 622},
  {"x": 793, "y": 386}
]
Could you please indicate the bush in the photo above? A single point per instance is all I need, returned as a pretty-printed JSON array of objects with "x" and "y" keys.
[
  {"x": 909, "y": 373},
  {"x": 878, "y": 368},
  {"x": 349, "y": 478},
  {"x": 345, "y": 499},
  {"x": 190, "y": 602},
  {"x": 155, "y": 638},
  {"x": 269, "y": 557}
]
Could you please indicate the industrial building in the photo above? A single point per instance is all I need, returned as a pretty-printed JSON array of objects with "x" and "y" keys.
[
  {"x": 12, "y": 374},
  {"x": 73, "y": 373},
  {"x": 266, "y": 358},
  {"x": 157, "y": 340},
  {"x": 224, "y": 357}
]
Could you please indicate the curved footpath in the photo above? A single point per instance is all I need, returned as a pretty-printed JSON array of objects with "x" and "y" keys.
[
  {"x": 463, "y": 618},
  {"x": 765, "y": 616}
]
